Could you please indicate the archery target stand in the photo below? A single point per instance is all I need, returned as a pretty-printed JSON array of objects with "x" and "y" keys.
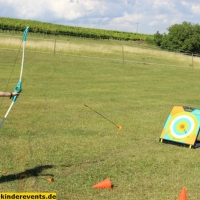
[{"x": 182, "y": 127}]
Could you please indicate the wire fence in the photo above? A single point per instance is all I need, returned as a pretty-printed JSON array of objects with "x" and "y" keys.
[{"x": 135, "y": 53}]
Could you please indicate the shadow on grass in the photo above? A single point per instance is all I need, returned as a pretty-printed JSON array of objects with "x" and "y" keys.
[
  {"x": 37, "y": 171},
  {"x": 34, "y": 172}
]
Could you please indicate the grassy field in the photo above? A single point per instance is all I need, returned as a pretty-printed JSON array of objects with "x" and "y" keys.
[
  {"x": 126, "y": 51},
  {"x": 50, "y": 133}
]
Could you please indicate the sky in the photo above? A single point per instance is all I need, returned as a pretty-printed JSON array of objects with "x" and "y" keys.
[{"x": 138, "y": 16}]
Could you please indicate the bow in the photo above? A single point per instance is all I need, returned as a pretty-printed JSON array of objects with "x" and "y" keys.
[{"x": 18, "y": 87}]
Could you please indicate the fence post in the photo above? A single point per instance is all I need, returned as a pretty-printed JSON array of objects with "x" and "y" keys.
[
  {"x": 192, "y": 61},
  {"x": 54, "y": 47},
  {"x": 123, "y": 54}
]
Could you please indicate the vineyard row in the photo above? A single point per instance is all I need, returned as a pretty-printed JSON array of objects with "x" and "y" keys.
[{"x": 11, "y": 24}]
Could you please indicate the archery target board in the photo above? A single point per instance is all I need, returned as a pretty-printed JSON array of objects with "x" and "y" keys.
[{"x": 182, "y": 125}]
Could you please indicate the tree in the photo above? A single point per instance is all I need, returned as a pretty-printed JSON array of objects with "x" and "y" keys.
[
  {"x": 180, "y": 37},
  {"x": 158, "y": 38}
]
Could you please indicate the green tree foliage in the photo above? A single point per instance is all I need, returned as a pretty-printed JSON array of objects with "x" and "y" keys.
[
  {"x": 180, "y": 37},
  {"x": 10, "y": 24},
  {"x": 158, "y": 38}
]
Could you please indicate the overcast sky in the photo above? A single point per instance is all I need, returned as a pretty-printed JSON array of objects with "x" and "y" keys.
[{"x": 142, "y": 16}]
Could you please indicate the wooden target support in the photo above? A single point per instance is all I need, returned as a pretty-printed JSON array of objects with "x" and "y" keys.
[{"x": 182, "y": 127}]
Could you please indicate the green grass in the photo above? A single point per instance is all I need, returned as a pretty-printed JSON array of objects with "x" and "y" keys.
[
  {"x": 50, "y": 126},
  {"x": 113, "y": 50}
]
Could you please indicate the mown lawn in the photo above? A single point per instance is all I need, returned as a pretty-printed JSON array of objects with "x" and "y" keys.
[{"x": 51, "y": 133}]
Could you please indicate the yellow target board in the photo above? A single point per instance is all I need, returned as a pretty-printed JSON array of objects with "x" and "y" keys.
[{"x": 182, "y": 126}]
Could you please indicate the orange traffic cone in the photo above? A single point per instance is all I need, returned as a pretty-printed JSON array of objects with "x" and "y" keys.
[
  {"x": 104, "y": 184},
  {"x": 183, "y": 195}
]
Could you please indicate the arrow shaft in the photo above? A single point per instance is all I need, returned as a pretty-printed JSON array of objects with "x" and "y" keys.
[{"x": 101, "y": 115}]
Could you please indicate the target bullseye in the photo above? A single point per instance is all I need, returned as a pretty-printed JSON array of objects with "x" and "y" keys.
[{"x": 182, "y": 126}]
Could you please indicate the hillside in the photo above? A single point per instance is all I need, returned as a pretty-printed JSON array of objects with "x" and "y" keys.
[{"x": 11, "y": 24}]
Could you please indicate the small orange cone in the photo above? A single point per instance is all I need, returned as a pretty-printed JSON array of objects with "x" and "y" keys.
[
  {"x": 104, "y": 184},
  {"x": 183, "y": 195},
  {"x": 50, "y": 179}
]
